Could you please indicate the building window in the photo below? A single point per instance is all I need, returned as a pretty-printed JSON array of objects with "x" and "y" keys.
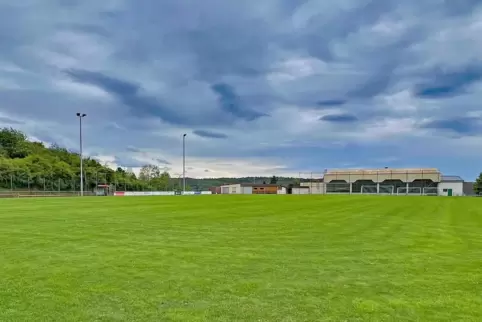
[{"x": 445, "y": 190}]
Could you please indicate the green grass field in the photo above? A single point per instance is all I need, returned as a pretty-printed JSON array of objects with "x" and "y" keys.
[{"x": 241, "y": 258}]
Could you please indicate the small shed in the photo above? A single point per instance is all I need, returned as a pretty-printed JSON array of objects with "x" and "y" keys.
[{"x": 451, "y": 186}]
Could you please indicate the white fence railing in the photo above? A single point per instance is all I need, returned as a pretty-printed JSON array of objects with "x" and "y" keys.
[{"x": 160, "y": 193}]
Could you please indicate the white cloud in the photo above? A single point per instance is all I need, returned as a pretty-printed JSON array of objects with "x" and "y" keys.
[
  {"x": 452, "y": 42},
  {"x": 81, "y": 90},
  {"x": 8, "y": 67},
  {"x": 389, "y": 128},
  {"x": 8, "y": 84},
  {"x": 401, "y": 102}
]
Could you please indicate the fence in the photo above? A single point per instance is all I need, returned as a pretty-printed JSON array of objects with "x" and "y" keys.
[
  {"x": 311, "y": 180},
  {"x": 31, "y": 194},
  {"x": 27, "y": 182}
]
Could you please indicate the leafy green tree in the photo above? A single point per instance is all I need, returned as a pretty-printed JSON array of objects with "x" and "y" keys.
[
  {"x": 13, "y": 143},
  {"x": 478, "y": 184},
  {"x": 164, "y": 180},
  {"x": 149, "y": 172},
  {"x": 273, "y": 180}
]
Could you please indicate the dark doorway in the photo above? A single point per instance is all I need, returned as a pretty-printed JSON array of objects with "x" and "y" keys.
[{"x": 289, "y": 189}]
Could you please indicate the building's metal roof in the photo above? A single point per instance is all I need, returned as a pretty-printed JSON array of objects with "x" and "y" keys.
[
  {"x": 452, "y": 178},
  {"x": 382, "y": 171},
  {"x": 245, "y": 184}
]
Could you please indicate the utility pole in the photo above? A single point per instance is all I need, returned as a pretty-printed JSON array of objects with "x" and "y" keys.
[
  {"x": 81, "y": 116},
  {"x": 184, "y": 162}
]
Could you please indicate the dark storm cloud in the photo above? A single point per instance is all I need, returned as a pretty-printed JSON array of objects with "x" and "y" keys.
[
  {"x": 337, "y": 26},
  {"x": 9, "y": 121},
  {"x": 458, "y": 125},
  {"x": 128, "y": 162},
  {"x": 162, "y": 161},
  {"x": 128, "y": 93},
  {"x": 461, "y": 7},
  {"x": 110, "y": 84},
  {"x": 209, "y": 134},
  {"x": 133, "y": 149},
  {"x": 448, "y": 83},
  {"x": 231, "y": 103},
  {"x": 244, "y": 55},
  {"x": 85, "y": 28},
  {"x": 329, "y": 103},
  {"x": 376, "y": 85},
  {"x": 339, "y": 118},
  {"x": 69, "y": 3}
]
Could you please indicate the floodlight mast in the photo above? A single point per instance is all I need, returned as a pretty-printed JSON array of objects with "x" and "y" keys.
[
  {"x": 81, "y": 116},
  {"x": 184, "y": 162}
]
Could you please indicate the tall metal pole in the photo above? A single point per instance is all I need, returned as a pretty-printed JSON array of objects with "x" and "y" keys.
[
  {"x": 81, "y": 116},
  {"x": 184, "y": 162},
  {"x": 81, "y": 160}
]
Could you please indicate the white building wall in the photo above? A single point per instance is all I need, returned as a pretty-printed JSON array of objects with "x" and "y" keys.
[
  {"x": 315, "y": 187},
  {"x": 247, "y": 190},
  {"x": 457, "y": 188},
  {"x": 231, "y": 189},
  {"x": 300, "y": 191},
  {"x": 235, "y": 189},
  {"x": 282, "y": 191}
]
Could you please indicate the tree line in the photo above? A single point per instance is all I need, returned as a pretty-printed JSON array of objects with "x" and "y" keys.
[{"x": 34, "y": 166}]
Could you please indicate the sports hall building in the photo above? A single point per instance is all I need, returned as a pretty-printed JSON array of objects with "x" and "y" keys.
[{"x": 390, "y": 181}]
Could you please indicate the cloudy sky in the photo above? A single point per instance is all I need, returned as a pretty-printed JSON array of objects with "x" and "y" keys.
[{"x": 259, "y": 87}]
